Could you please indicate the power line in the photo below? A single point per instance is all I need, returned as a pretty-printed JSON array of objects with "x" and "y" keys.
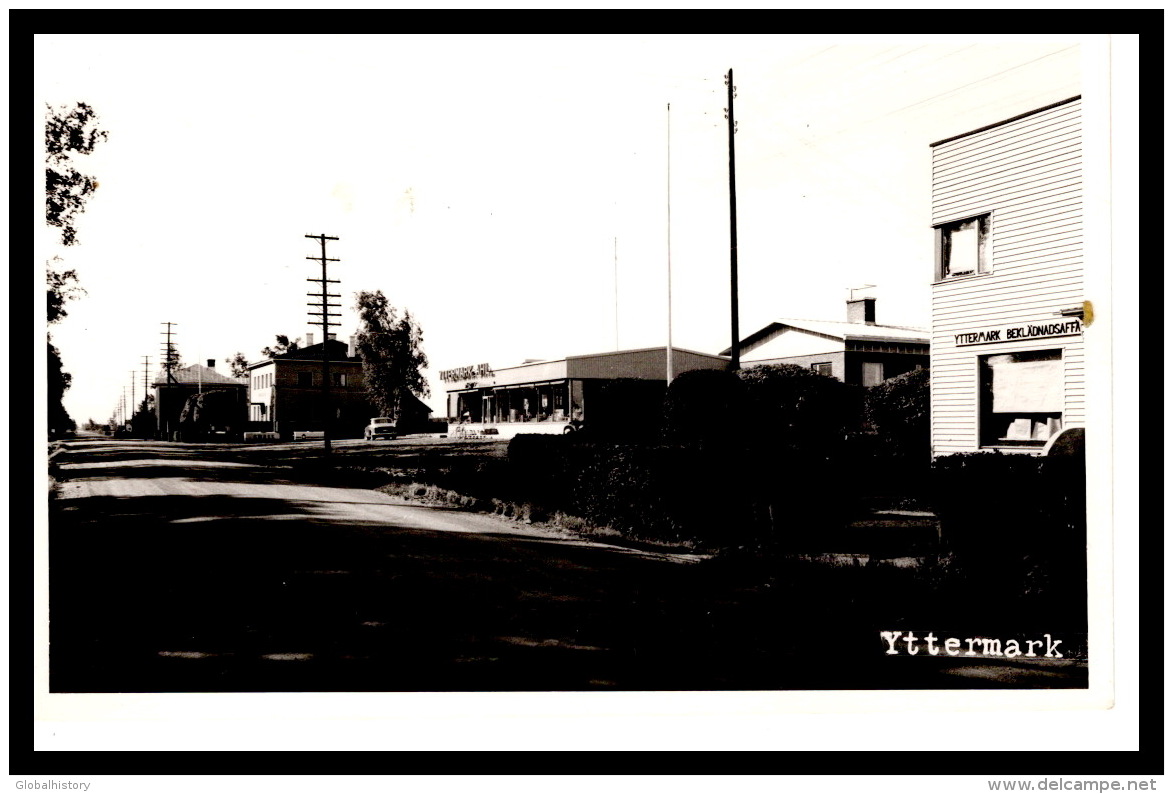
[{"x": 980, "y": 80}]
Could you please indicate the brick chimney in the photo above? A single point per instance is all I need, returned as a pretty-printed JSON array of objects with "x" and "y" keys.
[
  {"x": 211, "y": 363},
  {"x": 862, "y": 311},
  {"x": 309, "y": 340},
  {"x": 350, "y": 351}
]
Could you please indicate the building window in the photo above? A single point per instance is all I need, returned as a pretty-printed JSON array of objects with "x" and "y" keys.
[
  {"x": 339, "y": 378},
  {"x": 823, "y": 368},
  {"x": 963, "y": 247},
  {"x": 305, "y": 379},
  {"x": 873, "y": 373},
  {"x": 1021, "y": 397}
]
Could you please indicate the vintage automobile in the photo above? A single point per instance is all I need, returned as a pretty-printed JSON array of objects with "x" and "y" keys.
[{"x": 380, "y": 427}]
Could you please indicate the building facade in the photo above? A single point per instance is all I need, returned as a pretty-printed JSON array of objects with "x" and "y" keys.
[
  {"x": 1007, "y": 353},
  {"x": 285, "y": 392},
  {"x": 562, "y": 395},
  {"x": 858, "y": 351}
]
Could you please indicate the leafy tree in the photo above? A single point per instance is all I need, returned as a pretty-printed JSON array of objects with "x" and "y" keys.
[
  {"x": 217, "y": 408},
  {"x": 283, "y": 346},
  {"x": 142, "y": 423},
  {"x": 69, "y": 131},
  {"x": 706, "y": 407},
  {"x": 392, "y": 353},
  {"x": 171, "y": 356},
  {"x": 62, "y": 287},
  {"x": 238, "y": 364},
  {"x": 898, "y": 411},
  {"x": 59, "y": 383}
]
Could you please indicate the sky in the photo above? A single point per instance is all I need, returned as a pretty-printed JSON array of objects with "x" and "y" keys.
[{"x": 523, "y": 197}]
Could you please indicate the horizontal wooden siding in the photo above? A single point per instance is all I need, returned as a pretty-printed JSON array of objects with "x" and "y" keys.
[{"x": 1027, "y": 174}]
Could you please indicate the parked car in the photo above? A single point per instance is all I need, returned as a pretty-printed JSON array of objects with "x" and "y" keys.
[{"x": 380, "y": 427}]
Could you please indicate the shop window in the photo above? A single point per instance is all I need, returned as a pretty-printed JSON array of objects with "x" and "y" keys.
[
  {"x": 1021, "y": 397},
  {"x": 872, "y": 373},
  {"x": 823, "y": 368},
  {"x": 305, "y": 379},
  {"x": 963, "y": 247}
]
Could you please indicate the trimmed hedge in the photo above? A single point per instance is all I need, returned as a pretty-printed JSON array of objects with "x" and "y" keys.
[
  {"x": 898, "y": 412},
  {"x": 1017, "y": 526},
  {"x": 717, "y": 496}
]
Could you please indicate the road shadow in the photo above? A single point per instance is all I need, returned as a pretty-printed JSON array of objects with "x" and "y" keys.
[{"x": 222, "y": 593}]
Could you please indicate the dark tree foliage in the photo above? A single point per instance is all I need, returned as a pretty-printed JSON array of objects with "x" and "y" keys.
[
  {"x": 798, "y": 410},
  {"x": 58, "y": 383},
  {"x": 143, "y": 421},
  {"x": 69, "y": 131},
  {"x": 392, "y": 353},
  {"x": 238, "y": 365},
  {"x": 62, "y": 287},
  {"x": 171, "y": 356},
  {"x": 217, "y": 408},
  {"x": 704, "y": 406},
  {"x": 283, "y": 346},
  {"x": 898, "y": 412}
]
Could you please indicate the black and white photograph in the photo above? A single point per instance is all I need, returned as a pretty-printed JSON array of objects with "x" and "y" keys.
[{"x": 491, "y": 369}]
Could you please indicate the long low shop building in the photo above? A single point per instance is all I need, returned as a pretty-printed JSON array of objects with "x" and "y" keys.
[{"x": 559, "y": 396}]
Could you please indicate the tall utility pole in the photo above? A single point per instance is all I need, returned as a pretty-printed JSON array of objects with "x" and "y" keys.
[
  {"x": 170, "y": 359},
  {"x": 323, "y": 312},
  {"x": 133, "y": 406},
  {"x": 146, "y": 375},
  {"x": 669, "y": 210},
  {"x": 735, "y": 361}
]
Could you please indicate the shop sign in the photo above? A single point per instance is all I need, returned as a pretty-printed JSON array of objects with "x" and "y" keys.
[
  {"x": 1016, "y": 333},
  {"x": 466, "y": 373}
]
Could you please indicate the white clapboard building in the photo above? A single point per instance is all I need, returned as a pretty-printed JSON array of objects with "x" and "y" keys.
[{"x": 1008, "y": 312}]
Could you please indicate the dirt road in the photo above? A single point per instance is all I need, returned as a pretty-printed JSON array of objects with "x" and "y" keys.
[
  {"x": 174, "y": 573},
  {"x": 180, "y": 568}
]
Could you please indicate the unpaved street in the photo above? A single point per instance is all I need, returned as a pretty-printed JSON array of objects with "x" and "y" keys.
[
  {"x": 174, "y": 573},
  {"x": 180, "y": 568}
]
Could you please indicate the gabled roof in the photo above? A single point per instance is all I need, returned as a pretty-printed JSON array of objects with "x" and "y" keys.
[
  {"x": 197, "y": 374},
  {"x": 845, "y": 331}
]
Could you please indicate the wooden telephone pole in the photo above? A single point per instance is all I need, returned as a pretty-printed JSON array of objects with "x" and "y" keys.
[
  {"x": 170, "y": 359},
  {"x": 322, "y": 311}
]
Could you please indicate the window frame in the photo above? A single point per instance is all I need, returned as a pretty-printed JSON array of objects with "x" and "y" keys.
[
  {"x": 828, "y": 364},
  {"x": 985, "y": 398},
  {"x": 985, "y": 265},
  {"x": 863, "y": 368}
]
